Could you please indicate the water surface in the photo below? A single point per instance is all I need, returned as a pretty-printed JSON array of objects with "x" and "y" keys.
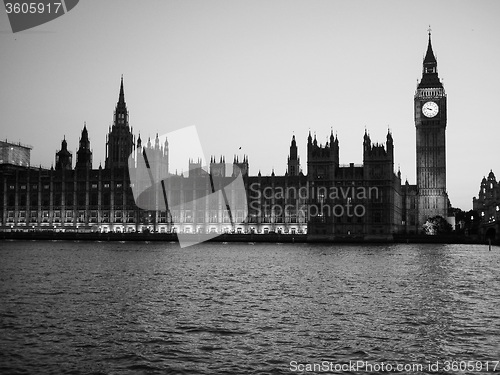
[{"x": 132, "y": 308}]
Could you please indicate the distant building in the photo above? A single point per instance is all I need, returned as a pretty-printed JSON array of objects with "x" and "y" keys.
[
  {"x": 333, "y": 200},
  {"x": 14, "y": 153},
  {"x": 64, "y": 158},
  {"x": 119, "y": 141},
  {"x": 353, "y": 200},
  {"x": 487, "y": 205},
  {"x": 365, "y": 201}
]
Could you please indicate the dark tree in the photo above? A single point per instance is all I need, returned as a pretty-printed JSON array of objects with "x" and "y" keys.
[{"x": 437, "y": 225}]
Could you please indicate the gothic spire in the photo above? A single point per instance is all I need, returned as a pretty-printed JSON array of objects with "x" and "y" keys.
[
  {"x": 429, "y": 69},
  {"x": 389, "y": 135},
  {"x": 84, "y": 153},
  {"x": 429, "y": 56},
  {"x": 63, "y": 157},
  {"x": 121, "y": 99},
  {"x": 84, "y": 139}
]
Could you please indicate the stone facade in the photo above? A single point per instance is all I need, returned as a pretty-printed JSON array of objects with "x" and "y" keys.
[{"x": 331, "y": 201}]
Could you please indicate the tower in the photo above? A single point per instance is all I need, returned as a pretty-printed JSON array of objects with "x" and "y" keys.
[
  {"x": 195, "y": 167},
  {"x": 157, "y": 157},
  {"x": 293, "y": 160},
  {"x": 322, "y": 161},
  {"x": 430, "y": 124},
  {"x": 64, "y": 159},
  {"x": 218, "y": 169},
  {"x": 381, "y": 215},
  {"x": 377, "y": 159},
  {"x": 322, "y": 168},
  {"x": 84, "y": 153},
  {"x": 241, "y": 166},
  {"x": 120, "y": 141}
]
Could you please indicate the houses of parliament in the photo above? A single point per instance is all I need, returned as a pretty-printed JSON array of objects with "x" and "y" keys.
[{"x": 332, "y": 200}]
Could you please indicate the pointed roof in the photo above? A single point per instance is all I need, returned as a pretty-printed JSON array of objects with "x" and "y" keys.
[
  {"x": 429, "y": 56},
  {"x": 121, "y": 98},
  {"x": 64, "y": 148},
  {"x": 85, "y": 133},
  {"x": 430, "y": 77},
  {"x": 389, "y": 135},
  {"x": 366, "y": 137},
  {"x": 84, "y": 139}
]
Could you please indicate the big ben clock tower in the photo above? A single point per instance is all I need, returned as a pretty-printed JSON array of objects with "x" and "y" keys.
[{"x": 430, "y": 123}]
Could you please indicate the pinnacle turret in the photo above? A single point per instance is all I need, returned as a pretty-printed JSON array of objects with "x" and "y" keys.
[{"x": 84, "y": 153}]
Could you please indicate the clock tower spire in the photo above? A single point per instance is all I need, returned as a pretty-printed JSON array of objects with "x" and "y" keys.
[
  {"x": 429, "y": 70},
  {"x": 430, "y": 124}
]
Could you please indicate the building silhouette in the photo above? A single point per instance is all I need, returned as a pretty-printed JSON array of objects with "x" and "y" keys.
[
  {"x": 84, "y": 153},
  {"x": 119, "y": 141},
  {"x": 487, "y": 205},
  {"x": 430, "y": 123},
  {"x": 366, "y": 201},
  {"x": 428, "y": 198},
  {"x": 64, "y": 158}
]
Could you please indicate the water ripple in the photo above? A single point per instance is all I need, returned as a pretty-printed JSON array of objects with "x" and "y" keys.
[{"x": 150, "y": 308}]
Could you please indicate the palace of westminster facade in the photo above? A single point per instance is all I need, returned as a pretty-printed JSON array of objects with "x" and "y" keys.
[{"x": 365, "y": 201}]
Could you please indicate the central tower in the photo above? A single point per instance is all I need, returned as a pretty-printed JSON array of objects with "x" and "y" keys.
[
  {"x": 120, "y": 141},
  {"x": 430, "y": 123}
]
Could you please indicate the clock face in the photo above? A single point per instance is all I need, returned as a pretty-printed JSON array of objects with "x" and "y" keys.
[{"x": 430, "y": 109}]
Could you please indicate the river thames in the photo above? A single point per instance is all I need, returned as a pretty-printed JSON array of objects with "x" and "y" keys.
[{"x": 242, "y": 308}]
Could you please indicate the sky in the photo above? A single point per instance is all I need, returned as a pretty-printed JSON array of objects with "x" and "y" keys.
[{"x": 251, "y": 74}]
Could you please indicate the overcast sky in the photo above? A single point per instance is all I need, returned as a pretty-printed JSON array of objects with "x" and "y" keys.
[{"x": 251, "y": 74}]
